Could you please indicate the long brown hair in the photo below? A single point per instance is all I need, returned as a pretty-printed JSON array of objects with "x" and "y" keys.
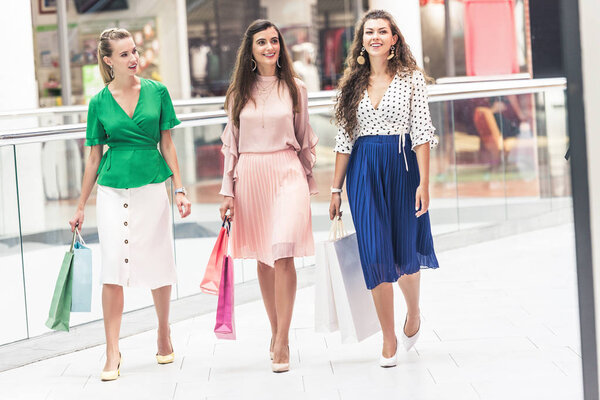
[
  {"x": 244, "y": 78},
  {"x": 105, "y": 50},
  {"x": 356, "y": 76}
]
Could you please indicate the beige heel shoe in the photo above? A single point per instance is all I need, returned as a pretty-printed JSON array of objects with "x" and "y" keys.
[
  {"x": 106, "y": 376},
  {"x": 281, "y": 367},
  {"x": 169, "y": 358}
]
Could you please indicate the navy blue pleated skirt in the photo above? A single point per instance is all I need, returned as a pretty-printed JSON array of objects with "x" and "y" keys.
[{"x": 392, "y": 241}]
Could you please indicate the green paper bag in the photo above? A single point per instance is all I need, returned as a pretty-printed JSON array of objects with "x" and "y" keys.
[{"x": 60, "y": 308}]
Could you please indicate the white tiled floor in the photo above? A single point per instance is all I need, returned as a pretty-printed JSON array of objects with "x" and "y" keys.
[{"x": 499, "y": 322}]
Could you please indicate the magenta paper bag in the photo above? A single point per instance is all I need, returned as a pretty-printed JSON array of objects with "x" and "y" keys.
[
  {"x": 225, "y": 326},
  {"x": 212, "y": 275}
]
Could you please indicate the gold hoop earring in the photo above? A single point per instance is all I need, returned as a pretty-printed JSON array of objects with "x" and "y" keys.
[
  {"x": 254, "y": 66},
  {"x": 392, "y": 53},
  {"x": 279, "y": 65},
  {"x": 361, "y": 59}
]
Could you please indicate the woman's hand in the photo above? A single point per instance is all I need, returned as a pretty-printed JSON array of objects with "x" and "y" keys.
[
  {"x": 183, "y": 204},
  {"x": 334, "y": 206},
  {"x": 421, "y": 200},
  {"x": 227, "y": 204},
  {"x": 77, "y": 220}
]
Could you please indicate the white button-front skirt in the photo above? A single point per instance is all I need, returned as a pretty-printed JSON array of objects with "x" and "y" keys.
[{"x": 136, "y": 236}]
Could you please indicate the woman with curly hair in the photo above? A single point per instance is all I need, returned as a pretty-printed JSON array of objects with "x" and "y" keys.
[
  {"x": 269, "y": 150},
  {"x": 383, "y": 143}
]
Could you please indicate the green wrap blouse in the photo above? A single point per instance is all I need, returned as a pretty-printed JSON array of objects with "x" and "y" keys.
[{"x": 132, "y": 159}]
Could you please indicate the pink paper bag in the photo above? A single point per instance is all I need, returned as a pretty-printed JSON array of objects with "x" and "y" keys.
[
  {"x": 225, "y": 326},
  {"x": 212, "y": 275}
]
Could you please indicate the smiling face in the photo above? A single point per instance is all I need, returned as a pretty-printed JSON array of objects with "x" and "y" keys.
[
  {"x": 377, "y": 37},
  {"x": 265, "y": 47},
  {"x": 124, "y": 58}
]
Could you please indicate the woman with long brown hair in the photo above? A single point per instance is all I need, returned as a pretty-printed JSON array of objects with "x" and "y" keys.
[
  {"x": 383, "y": 143},
  {"x": 269, "y": 150}
]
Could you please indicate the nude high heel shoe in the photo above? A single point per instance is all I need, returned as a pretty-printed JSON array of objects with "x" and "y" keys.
[
  {"x": 106, "y": 376},
  {"x": 169, "y": 358},
  {"x": 281, "y": 367}
]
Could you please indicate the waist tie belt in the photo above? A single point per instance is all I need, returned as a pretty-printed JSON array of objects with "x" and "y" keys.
[
  {"x": 402, "y": 150},
  {"x": 108, "y": 154}
]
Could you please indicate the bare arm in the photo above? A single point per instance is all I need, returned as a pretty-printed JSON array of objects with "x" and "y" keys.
[
  {"x": 167, "y": 148},
  {"x": 422, "y": 194},
  {"x": 341, "y": 165},
  {"x": 89, "y": 178}
]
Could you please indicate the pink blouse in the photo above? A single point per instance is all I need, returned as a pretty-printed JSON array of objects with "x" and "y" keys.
[{"x": 283, "y": 129}]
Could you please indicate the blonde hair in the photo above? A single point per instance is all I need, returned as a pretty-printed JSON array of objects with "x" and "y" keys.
[{"x": 105, "y": 50}]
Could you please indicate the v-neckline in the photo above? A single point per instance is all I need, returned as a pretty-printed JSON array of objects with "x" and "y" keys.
[
  {"x": 136, "y": 104},
  {"x": 382, "y": 97}
]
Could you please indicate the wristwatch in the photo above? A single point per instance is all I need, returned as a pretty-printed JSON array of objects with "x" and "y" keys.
[
  {"x": 181, "y": 190},
  {"x": 336, "y": 190}
]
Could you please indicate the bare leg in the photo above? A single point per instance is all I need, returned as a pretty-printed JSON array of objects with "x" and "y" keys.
[
  {"x": 410, "y": 286},
  {"x": 383, "y": 297},
  {"x": 112, "y": 308},
  {"x": 266, "y": 280},
  {"x": 285, "y": 294},
  {"x": 162, "y": 303}
]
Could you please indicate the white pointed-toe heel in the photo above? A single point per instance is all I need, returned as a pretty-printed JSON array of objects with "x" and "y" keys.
[
  {"x": 392, "y": 361},
  {"x": 407, "y": 341}
]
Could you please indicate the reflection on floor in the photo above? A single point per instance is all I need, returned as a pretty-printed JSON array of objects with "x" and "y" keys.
[{"x": 499, "y": 322}]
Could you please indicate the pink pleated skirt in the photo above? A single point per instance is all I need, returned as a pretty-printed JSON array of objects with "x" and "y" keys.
[{"x": 272, "y": 217}]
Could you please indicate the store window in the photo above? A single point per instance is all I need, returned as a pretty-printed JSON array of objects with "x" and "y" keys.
[
  {"x": 317, "y": 32},
  {"x": 152, "y": 23},
  {"x": 488, "y": 37}
]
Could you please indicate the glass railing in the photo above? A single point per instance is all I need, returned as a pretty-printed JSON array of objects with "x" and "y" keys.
[{"x": 500, "y": 158}]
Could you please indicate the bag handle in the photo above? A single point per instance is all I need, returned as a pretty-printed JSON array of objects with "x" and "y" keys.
[
  {"x": 227, "y": 220},
  {"x": 80, "y": 237},
  {"x": 73, "y": 240},
  {"x": 337, "y": 230}
]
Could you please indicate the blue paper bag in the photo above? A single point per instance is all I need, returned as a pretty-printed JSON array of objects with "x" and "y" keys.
[{"x": 81, "y": 270}]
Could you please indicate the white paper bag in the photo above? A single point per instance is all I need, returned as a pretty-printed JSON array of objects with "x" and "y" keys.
[{"x": 339, "y": 273}]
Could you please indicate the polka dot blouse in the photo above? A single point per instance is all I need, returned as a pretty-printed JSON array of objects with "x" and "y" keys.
[{"x": 403, "y": 109}]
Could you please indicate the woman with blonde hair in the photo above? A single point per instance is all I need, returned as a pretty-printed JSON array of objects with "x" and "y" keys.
[
  {"x": 269, "y": 150},
  {"x": 131, "y": 115},
  {"x": 383, "y": 143}
]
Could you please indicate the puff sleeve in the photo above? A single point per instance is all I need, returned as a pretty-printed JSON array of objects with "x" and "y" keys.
[
  {"x": 421, "y": 128},
  {"x": 229, "y": 149},
  {"x": 94, "y": 132},
  {"x": 168, "y": 119},
  {"x": 306, "y": 138}
]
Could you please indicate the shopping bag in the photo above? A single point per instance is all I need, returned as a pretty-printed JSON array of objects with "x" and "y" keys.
[
  {"x": 60, "y": 307},
  {"x": 212, "y": 276},
  {"x": 225, "y": 325},
  {"x": 325, "y": 315},
  {"x": 81, "y": 270},
  {"x": 354, "y": 307}
]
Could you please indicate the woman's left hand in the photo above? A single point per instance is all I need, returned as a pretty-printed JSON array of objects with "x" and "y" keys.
[
  {"x": 421, "y": 200},
  {"x": 183, "y": 204}
]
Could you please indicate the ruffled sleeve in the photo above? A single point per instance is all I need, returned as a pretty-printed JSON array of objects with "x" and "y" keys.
[
  {"x": 229, "y": 138},
  {"x": 306, "y": 138},
  {"x": 421, "y": 128},
  {"x": 168, "y": 119},
  {"x": 94, "y": 132}
]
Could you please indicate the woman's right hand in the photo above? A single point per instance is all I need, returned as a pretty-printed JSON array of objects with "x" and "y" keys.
[
  {"x": 334, "y": 206},
  {"x": 227, "y": 204},
  {"x": 77, "y": 220}
]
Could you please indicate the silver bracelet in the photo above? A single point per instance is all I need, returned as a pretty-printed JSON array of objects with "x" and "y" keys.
[
  {"x": 181, "y": 190},
  {"x": 335, "y": 190}
]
